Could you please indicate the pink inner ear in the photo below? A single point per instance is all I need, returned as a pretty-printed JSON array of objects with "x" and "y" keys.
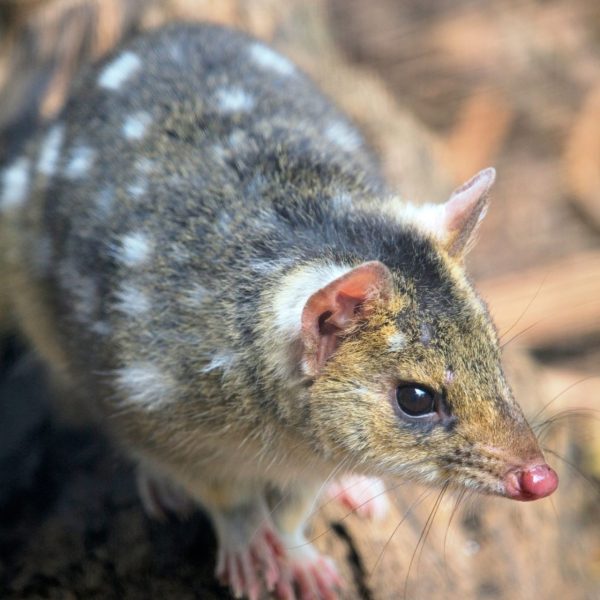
[
  {"x": 465, "y": 209},
  {"x": 465, "y": 199},
  {"x": 336, "y": 307}
]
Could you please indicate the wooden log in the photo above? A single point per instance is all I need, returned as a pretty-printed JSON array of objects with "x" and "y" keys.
[
  {"x": 573, "y": 399},
  {"x": 549, "y": 304},
  {"x": 582, "y": 158},
  {"x": 477, "y": 137}
]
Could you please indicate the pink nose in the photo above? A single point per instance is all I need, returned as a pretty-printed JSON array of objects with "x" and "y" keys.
[{"x": 531, "y": 483}]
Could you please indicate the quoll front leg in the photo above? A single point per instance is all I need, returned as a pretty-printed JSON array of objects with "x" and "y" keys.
[
  {"x": 250, "y": 552},
  {"x": 262, "y": 547},
  {"x": 250, "y": 556},
  {"x": 306, "y": 574}
]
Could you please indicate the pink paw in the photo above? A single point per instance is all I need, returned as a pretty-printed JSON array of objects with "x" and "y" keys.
[
  {"x": 240, "y": 567},
  {"x": 309, "y": 576},
  {"x": 160, "y": 495},
  {"x": 295, "y": 573},
  {"x": 366, "y": 496}
]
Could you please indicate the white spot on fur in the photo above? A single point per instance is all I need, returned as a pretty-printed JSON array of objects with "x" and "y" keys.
[
  {"x": 268, "y": 59},
  {"x": 138, "y": 188},
  {"x": 449, "y": 377},
  {"x": 144, "y": 383},
  {"x": 50, "y": 150},
  {"x": 396, "y": 342},
  {"x": 136, "y": 125},
  {"x": 145, "y": 166},
  {"x": 222, "y": 361},
  {"x": 429, "y": 219},
  {"x": 267, "y": 267},
  {"x": 234, "y": 100},
  {"x": 343, "y": 136},
  {"x": 135, "y": 249},
  {"x": 180, "y": 253},
  {"x": 80, "y": 162},
  {"x": 131, "y": 300},
  {"x": 220, "y": 152},
  {"x": 139, "y": 185},
  {"x": 15, "y": 184},
  {"x": 237, "y": 140},
  {"x": 264, "y": 267},
  {"x": 257, "y": 185},
  {"x": 195, "y": 296},
  {"x": 295, "y": 290},
  {"x": 116, "y": 73},
  {"x": 224, "y": 222},
  {"x": 266, "y": 222},
  {"x": 342, "y": 201}
]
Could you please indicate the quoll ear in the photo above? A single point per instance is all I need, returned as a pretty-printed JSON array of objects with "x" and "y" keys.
[
  {"x": 464, "y": 211},
  {"x": 336, "y": 307}
]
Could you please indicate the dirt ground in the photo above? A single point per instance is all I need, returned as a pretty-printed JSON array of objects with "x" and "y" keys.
[{"x": 441, "y": 89}]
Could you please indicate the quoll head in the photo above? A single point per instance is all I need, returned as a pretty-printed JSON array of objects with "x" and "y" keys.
[{"x": 406, "y": 367}]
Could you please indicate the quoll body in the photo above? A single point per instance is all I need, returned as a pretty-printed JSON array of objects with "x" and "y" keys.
[{"x": 204, "y": 251}]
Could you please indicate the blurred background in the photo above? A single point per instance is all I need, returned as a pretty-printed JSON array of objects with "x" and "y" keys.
[{"x": 442, "y": 88}]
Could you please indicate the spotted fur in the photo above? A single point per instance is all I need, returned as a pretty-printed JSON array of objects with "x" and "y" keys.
[{"x": 201, "y": 206}]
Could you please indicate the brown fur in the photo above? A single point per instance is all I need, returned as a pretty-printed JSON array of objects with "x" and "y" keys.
[{"x": 169, "y": 309}]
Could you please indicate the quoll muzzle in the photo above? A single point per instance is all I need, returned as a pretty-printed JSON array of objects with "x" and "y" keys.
[{"x": 531, "y": 483}]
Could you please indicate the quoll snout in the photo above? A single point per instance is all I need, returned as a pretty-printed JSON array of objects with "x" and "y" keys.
[{"x": 531, "y": 482}]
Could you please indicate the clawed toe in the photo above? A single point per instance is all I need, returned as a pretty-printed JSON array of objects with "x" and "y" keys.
[
  {"x": 241, "y": 568},
  {"x": 264, "y": 566},
  {"x": 314, "y": 577}
]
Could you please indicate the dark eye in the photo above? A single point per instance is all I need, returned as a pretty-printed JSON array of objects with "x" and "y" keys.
[{"x": 415, "y": 400}]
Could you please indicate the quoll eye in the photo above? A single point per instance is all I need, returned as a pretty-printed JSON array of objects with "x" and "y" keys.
[{"x": 415, "y": 400}]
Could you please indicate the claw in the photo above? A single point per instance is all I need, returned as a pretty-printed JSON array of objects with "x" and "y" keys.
[
  {"x": 314, "y": 576},
  {"x": 252, "y": 568}
]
